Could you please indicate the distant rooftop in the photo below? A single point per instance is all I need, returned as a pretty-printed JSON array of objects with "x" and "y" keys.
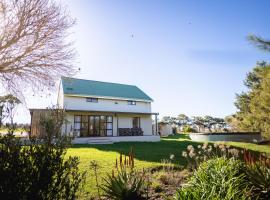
[{"x": 83, "y": 87}]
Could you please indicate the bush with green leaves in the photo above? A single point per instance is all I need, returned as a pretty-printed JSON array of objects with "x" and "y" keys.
[
  {"x": 259, "y": 176},
  {"x": 205, "y": 152},
  {"x": 219, "y": 178},
  {"x": 126, "y": 185},
  {"x": 38, "y": 170},
  {"x": 188, "y": 129}
]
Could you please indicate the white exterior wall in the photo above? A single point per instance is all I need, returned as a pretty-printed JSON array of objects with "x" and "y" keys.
[
  {"x": 60, "y": 97},
  {"x": 107, "y": 105},
  {"x": 124, "y": 121},
  {"x": 146, "y": 124}
]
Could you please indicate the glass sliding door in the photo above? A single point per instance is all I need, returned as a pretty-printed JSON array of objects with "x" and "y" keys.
[
  {"x": 102, "y": 126},
  {"x": 96, "y": 126},
  {"x": 109, "y": 126},
  {"x": 84, "y": 126},
  {"x": 77, "y": 125},
  {"x": 93, "y": 125}
]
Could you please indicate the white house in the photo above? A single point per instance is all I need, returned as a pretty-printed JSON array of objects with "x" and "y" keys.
[{"x": 100, "y": 112}]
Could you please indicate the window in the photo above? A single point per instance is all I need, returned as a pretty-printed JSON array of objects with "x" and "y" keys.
[
  {"x": 93, "y": 125},
  {"x": 109, "y": 126},
  {"x": 77, "y": 122},
  {"x": 132, "y": 103},
  {"x": 84, "y": 125},
  {"x": 136, "y": 122},
  {"x": 93, "y": 100},
  {"x": 69, "y": 88}
]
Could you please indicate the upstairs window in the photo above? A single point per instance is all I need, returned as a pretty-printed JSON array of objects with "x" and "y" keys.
[
  {"x": 69, "y": 88},
  {"x": 133, "y": 103},
  {"x": 93, "y": 100}
]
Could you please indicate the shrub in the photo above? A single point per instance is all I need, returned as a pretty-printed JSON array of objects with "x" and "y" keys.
[
  {"x": 218, "y": 178},
  {"x": 126, "y": 185},
  {"x": 37, "y": 171},
  {"x": 204, "y": 152},
  {"x": 188, "y": 129},
  {"x": 259, "y": 175}
]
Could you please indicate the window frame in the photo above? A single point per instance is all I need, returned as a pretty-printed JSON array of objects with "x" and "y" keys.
[
  {"x": 106, "y": 122},
  {"x": 91, "y": 99},
  {"x": 131, "y": 103},
  {"x": 77, "y": 122}
]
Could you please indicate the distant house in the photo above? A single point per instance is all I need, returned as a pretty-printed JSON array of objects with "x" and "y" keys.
[
  {"x": 101, "y": 111},
  {"x": 165, "y": 129}
]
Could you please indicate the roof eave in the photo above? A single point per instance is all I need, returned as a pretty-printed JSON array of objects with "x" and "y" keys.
[{"x": 109, "y": 97}]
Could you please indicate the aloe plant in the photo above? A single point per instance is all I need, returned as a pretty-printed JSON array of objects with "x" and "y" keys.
[{"x": 126, "y": 185}]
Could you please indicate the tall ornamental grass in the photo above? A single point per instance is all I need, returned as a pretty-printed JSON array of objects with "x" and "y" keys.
[{"x": 216, "y": 179}]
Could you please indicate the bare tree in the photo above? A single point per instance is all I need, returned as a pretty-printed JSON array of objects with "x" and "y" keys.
[{"x": 34, "y": 51}]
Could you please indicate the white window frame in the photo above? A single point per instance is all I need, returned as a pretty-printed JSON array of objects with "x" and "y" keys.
[
  {"x": 131, "y": 103},
  {"x": 91, "y": 99}
]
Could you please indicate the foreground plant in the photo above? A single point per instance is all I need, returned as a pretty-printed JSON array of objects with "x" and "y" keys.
[
  {"x": 127, "y": 184},
  {"x": 202, "y": 153},
  {"x": 95, "y": 167},
  {"x": 219, "y": 178},
  {"x": 38, "y": 170},
  {"x": 259, "y": 175}
]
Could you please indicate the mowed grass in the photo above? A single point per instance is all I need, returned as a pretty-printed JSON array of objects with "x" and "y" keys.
[{"x": 147, "y": 154}]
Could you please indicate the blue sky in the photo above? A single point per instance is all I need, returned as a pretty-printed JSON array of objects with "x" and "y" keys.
[{"x": 190, "y": 56}]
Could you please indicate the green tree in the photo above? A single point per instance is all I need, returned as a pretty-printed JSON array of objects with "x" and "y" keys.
[
  {"x": 8, "y": 105},
  {"x": 198, "y": 122},
  {"x": 254, "y": 105},
  {"x": 259, "y": 42},
  {"x": 169, "y": 120},
  {"x": 182, "y": 120}
]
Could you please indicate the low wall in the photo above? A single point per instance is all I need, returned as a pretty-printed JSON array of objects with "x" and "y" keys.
[
  {"x": 88, "y": 140},
  {"x": 234, "y": 137}
]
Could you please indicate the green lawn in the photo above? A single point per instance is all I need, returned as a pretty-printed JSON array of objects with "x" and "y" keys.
[{"x": 147, "y": 154}]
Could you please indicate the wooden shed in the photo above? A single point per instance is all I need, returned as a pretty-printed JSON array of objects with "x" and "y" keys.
[{"x": 36, "y": 129}]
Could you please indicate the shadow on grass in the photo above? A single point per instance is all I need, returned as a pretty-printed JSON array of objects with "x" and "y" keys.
[{"x": 149, "y": 151}]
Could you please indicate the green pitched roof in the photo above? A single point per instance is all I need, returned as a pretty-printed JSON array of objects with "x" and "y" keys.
[{"x": 82, "y": 87}]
